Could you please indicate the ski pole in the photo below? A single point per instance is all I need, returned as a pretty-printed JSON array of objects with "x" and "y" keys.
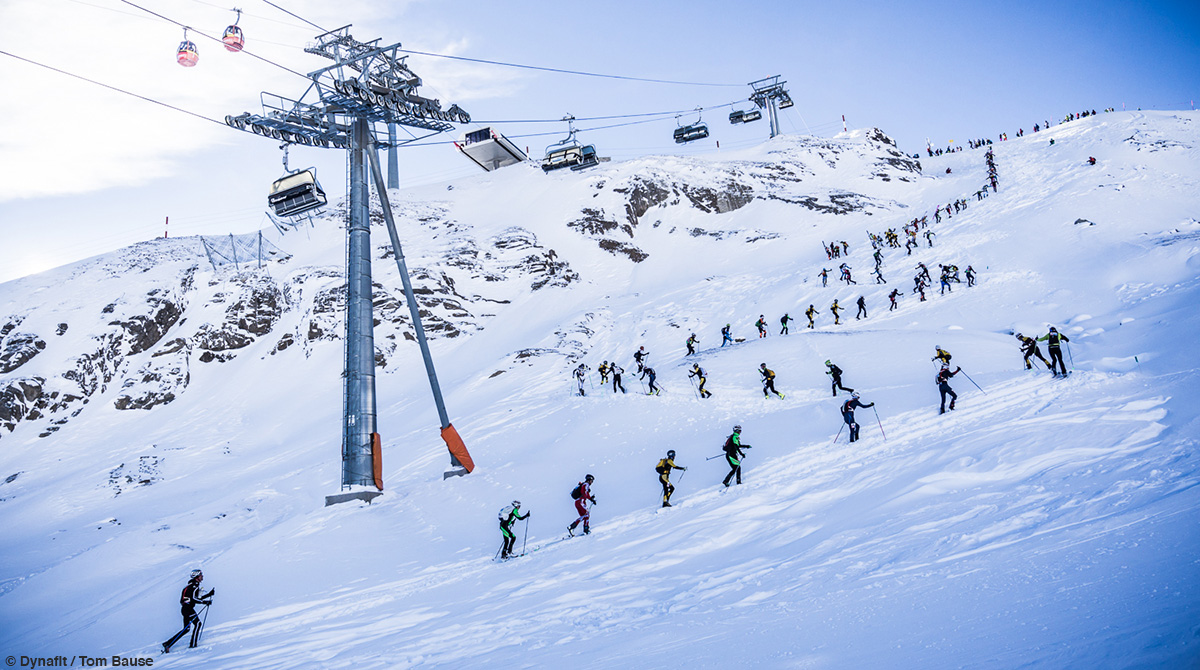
[
  {"x": 835, "y": 437},
  {"x": 695, "y": 390},
  {"x": 1069, "y": 356},
  {"x": 972, "y": 381},
  {"x": 498, "y": 552},
  {"x": 202, "y": 622},
  {"x": 880, "y": 423},
  {"x": 526, "y": 540},
  {"x": 712, "y": 457}
]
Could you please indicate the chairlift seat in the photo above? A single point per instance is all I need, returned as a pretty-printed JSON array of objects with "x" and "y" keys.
[
  {"x": 736, "y": 116},
  {"x": 696, "y": 131},
  {"x": 587, "y": 158},
  {"x": 296, "y": 193},
  {"x": 751, "y": 115}
]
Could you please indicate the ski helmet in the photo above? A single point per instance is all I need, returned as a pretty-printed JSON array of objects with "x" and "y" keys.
[
  {"x": 1019, "y": 336},
  {"x": 671, "y": 453},
  {"x": 196, "y": 575},
  {"x": 589, "y": 479},
  {"x": 854, "y": 395},
  {"x": 737, "y": 429},
  {"x": 1053, "y": 330},
  {"x": 829, "y": 363},
  {"x": 763, "y": 365},
  {"x": 516, "y": 503}
]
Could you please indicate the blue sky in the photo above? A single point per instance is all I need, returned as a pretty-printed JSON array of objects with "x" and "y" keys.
[{"x": 85, "y": 170}]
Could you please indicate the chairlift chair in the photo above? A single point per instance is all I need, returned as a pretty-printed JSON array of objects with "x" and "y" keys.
[
  {"x": 751, "y": 115},
  {"x": 296, "y": 193},
  {"x": 737, "y": 116},
  {"x": 696, "y": 131},
  {"x": 187, "y": 54},
  {"x": 569, "y": 152},
  {"x": 489, "y": 149}
]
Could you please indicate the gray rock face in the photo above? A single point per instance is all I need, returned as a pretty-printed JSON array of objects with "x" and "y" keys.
[
  {"x": 159, "y": 379},
  {"x": 18, "y": 349},
  {"x": 143, "y": 331},
  {"x": 18, "y": 399}
]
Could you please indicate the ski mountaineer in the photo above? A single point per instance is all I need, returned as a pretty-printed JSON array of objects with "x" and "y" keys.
[
  {"x": 783, "y": 321},
  {"x": 691, "y": 344},
  {"x": 733, "y": 454},
  {"x": 508, "y": 516},
  {"x": 1029, "y": 348},
  {"x": 603, "y": 370},
  {"x": 862, "y": 308},
  {"x": 725, "y": 336},
  {"x": 970, "y": 276},
  {"x": 698, "y": 372},
  {"x": 582, "y": 495},
  {"x": 1052, "y": 340},
  {"x": 649, "y": 371},
  {"x": 824, "y": 275},
  {"x": 810, "y": 313},
  {"x": 835, "y": 374},
  {"x": 943, "y": 382},
  {"x": 768, "y": 380},
  {"x": 834, "y": 308},
  {"x": 761, "y": 325},
  {"x": 892, "y": 296},
  {"x": 187, "y": 606},
  {"x": 941, "y": 355},
  {"x": 848, "y": 414},
  {"x": 663, "y": 469},
  {"x": 616, "y": 373},
  {"x": 639, "y": 357},
  {"x": 581, "y": 376}
]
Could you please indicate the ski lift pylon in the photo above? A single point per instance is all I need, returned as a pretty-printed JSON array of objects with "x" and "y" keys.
[
  {"x": 233, "y": 38},
  {"x": 187, "y": 54}
]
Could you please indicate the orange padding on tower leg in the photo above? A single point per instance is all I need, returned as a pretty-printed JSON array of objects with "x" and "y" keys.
[
  {"x": 377, "y": 459},
  {"x": 457, "y": 449}
]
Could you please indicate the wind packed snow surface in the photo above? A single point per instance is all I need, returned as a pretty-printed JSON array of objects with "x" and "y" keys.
[{"x": 175, "y": 417}]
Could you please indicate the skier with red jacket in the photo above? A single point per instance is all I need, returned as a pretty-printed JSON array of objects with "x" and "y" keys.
[
  {"x": 188, "y": 600},
  {"x": 583, "y": 495}
]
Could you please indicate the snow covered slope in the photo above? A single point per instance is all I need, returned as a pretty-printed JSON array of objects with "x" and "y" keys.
[{"x": 157, "y": 416}]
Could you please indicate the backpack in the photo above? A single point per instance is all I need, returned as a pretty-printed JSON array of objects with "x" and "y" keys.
[
  {"x": 504, "y": 513},
  {"x": 576, "y": 493}
]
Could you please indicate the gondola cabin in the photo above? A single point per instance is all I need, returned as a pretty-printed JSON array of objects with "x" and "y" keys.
[
  {"x": 296, "y": 193},
  {"x": 233, "y": 39},
  {"x": 696, "y": 131},
  {"x": 489, "y": 149},
  {"x": 187, "y": 55}
]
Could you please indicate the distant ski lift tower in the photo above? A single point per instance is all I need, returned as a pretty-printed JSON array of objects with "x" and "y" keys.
[
  {"x": 770, "y": 95},
  {"x": 367, "y": 85}
]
